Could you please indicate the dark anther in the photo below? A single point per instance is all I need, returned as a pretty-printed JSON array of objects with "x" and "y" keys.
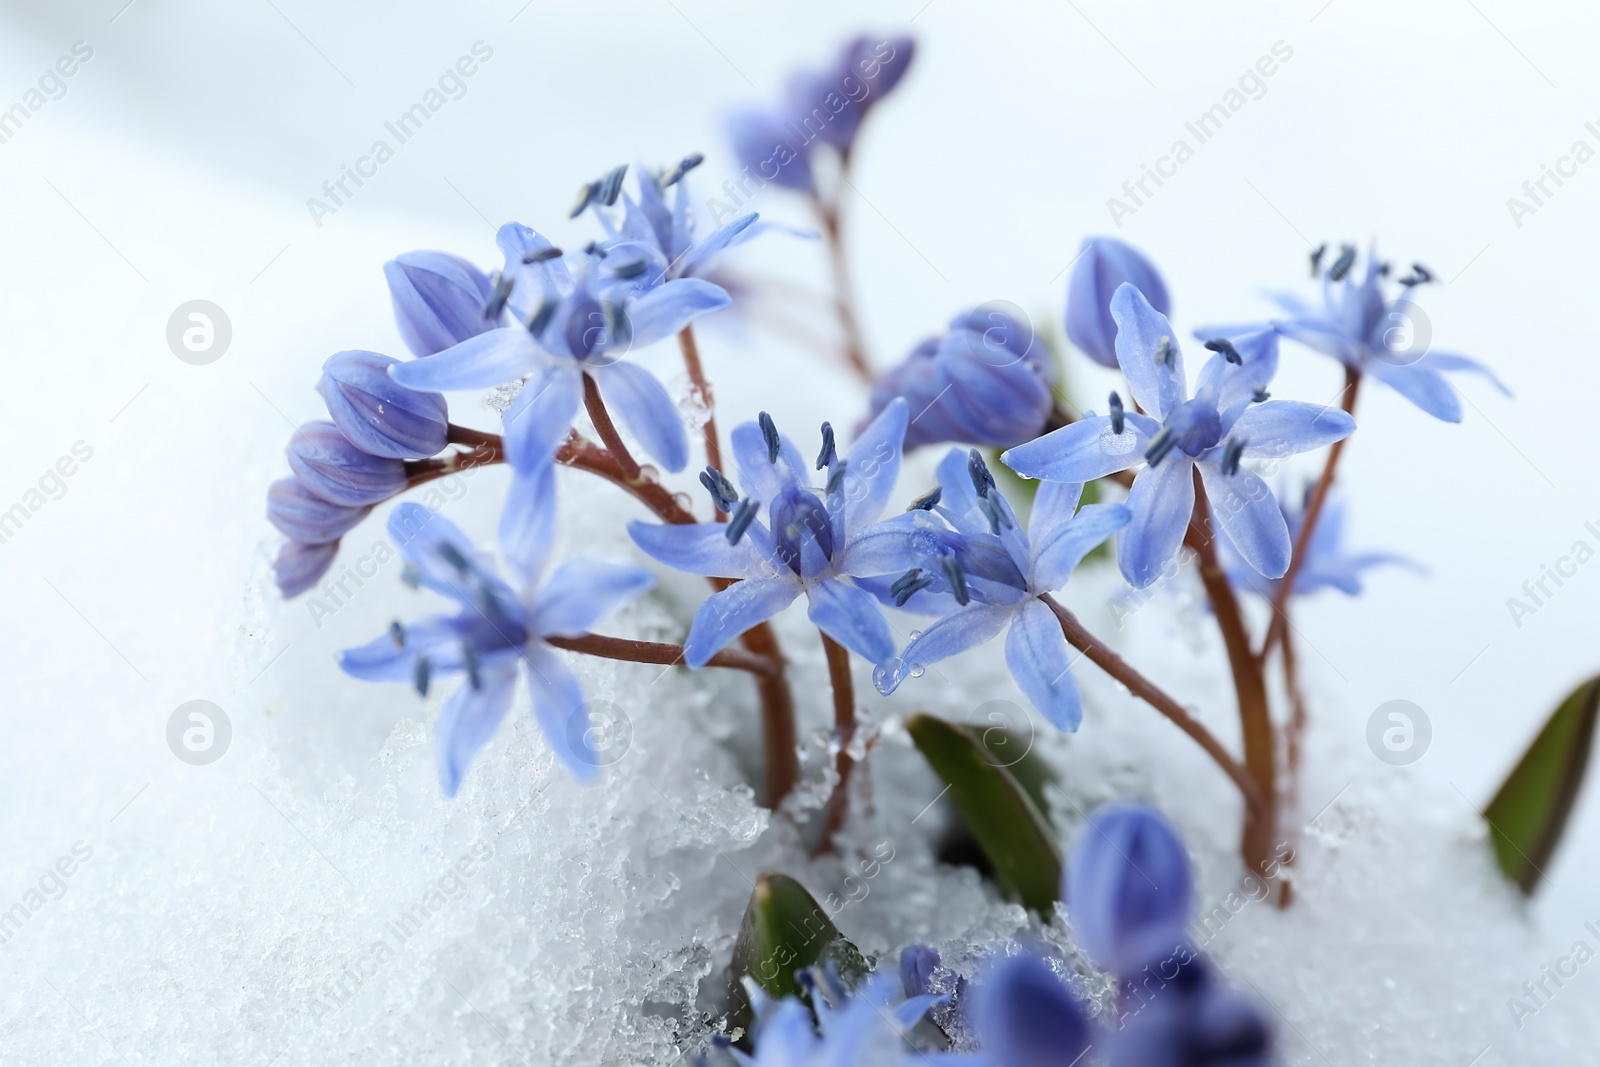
[
  {"x": 1342, "y": 265},
  {"x": 982, "y": 480},
  {"x": 1225, "y": 346},
  {"x": 836, "y": 477},
  {"x": 1164, "y": 442},
  {"x": 1117, "y": 414},
  {"x": 1316, "y": 257},
  {"x": 743, "y": 516},
  {"x": 419, "y": 677},
  {"x": 826, "y": 456},
  {"x": 769, "y": 433},
  {"x": 723, "y": 493},
  {"x": 1232, "y": 452},
  {"x": 927, "y": 500},
  {"x": 499, "y": 293},
  {"x": 541, "y": 255},
  {"x": 958, "y": 581}
]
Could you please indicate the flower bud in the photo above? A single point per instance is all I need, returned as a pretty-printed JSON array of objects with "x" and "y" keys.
[
  {"x": 305, "y": 516},
  {"x": 299, "y": 566},
  {"x": 438, "y": 300},
  {"x": 331, "y": 467},
  {"x": 1128, "y": 888},
  {"x": 1103, "y": 264},
  {"x": 378, "y": 414},
  {"x": 766, "y": 148},
  {"x": 917, "y": 963}
]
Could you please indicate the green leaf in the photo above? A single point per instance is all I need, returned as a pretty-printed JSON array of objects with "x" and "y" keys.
[
  {"x": 1016, "y": 755},
  {"x": 1529, "y": 814},
  {"x": 785, "y": 930},
  {"x": 1008, "y": 825}
]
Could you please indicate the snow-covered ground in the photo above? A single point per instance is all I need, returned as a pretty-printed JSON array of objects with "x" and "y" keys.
[{"x": 253, "y": 910}]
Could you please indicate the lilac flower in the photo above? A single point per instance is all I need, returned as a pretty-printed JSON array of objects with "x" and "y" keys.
[
  {"x": 306, "y": 517},
  {"x": 497, "y": 627},
  {"x": 972, "y": 559},
  {"x": 1104, "y": 264},
  {"x": 985, "y": 382},
  {"x": 1327, "y": 563},
  {"x": 299, "y": 566},
  {"x": 325, "y": 461},
  {"x": 1026, "y": 1017},
  {"x": 861, "y": 1028},
  {"x": 814, "y": 540},
  {"x": 572, "y": 321},
  {"x": 1228, "y": 420},
  {"x": 380, "y": 415},
  {"x": 1127, "y": 888},
  {"x": 1361, "y": 328},
  {"x": 822, "y": 107},
  {"x": 917, "y": 963},
  {"x": 439, "y": 300},
  {"x": 1186, "y": 1017}
]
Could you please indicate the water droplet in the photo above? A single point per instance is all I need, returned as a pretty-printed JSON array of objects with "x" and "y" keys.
[
  {"x": 915, "y": 634},
  {"x": 918, "y": 671}
]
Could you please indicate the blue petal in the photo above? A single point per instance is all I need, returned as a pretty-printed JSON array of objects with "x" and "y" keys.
[
  {"x": 873, "y": 464},
  {"x": 325, "y": 461},
  {"x": 759, "y": 477},
  {"x": 703, "y": 548},
  {"x": 299, "y": 565},
  {"x": 1053, "y": 504},
  {"x": 384, "y": 660},
  {"x": 1280, "y": 428},
  {"x": 1234, "y": 385},
  {"x": 724, "y": 616},
  {"x": 1142, "y": 334},
  {"x": 764, "y": 146},
  {"x": 1428, "y": 389},
  {"x": 1079, "y": 452},
  {"x": 1039, "y": 660},
  {"x": 528, "y": 524},
  {"x": 671, "y": 306},
  {"x": 304, "y": 516},
  {"x": 1026, "y": 1018},
  {"x": 482, "y": 362},
  {"x": 438, "y": 300},
  {"x": 1243, "y": 505},
  {"x": 582, "y": 591},
  {"x": 851, "y": 617},
  {"x": 642, "y": 403},
  {"x": 468, "y": 721},
  {"x": 953, "y": 634},
  {"x": 539, "y": 418},
  {"x": 1128, "y": 887},
  {"x": 1161, "y": 503},
  {"x": 719, "y": 239},
  {"x": 432, "y": 544},
  {"x": 1103, "y": 265},
  {"x": 1449, "y": 361},
  {"x": 379, "y": 414},
  {"x": 885, "y": 548},
  {"x": 1058, "y": 553},
  {"x": 561, "y": 712}
]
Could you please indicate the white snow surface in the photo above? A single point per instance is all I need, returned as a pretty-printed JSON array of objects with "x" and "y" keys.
[{"x": 246, "y": 912}]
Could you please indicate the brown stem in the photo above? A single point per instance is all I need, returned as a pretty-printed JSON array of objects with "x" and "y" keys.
[
  {"x": 486, "y": 450},
  {"x": 620, "y": 648},
  {"x": 466, "y": 435},
  {"x": 844, "y": 728},
  {"x": 697, "y": 377},
  {"x": 586, "y": 456},
  {"x": 1249, "y": 683},
  {"x": 1308, "y": 522},
  {"x": 844, "y": 292},
  {"x": 1294, "y": 742},
  {"x": 608, "y": 430},
  {"x": 779, "y": 740},
  {"x": 1140, "y": 686}
]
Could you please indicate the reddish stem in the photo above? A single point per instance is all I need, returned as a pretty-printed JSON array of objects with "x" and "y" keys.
[
  {"x": 697, "y": 377},
  {"x": 844, "y": 728},
  {"x": 839, "y": 260},
  {"x": 608, "y": 430},
  {"x": 620, "y": 648}
]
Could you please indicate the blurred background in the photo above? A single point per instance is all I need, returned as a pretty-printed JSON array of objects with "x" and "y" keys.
[{"x": 176, "y": 162}]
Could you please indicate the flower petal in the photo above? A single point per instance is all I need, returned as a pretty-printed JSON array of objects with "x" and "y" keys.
[
  {"x": 1143, "y": 334},
  {"x": 385, "y": 660},
  {"x": 1280, "y": 428},
  {"x": 1038, "y": 658},
  {"x": 1161, "y": 503},
  {"x": 482, "y": 362},
  {"x": 561, "y": 712},
  {"x": 715, "y": 242},
  {"x": 1053, "y": 504},
  {"x": 671, "y": 306},
  {"x": 873, "y": 464},
  {"x": 1449, "y": 361},
  {"x": 759, "y": 477},
  {"x": 467, "y": 722},
  {"x": 1064, "y": 545},
  {"x": 703, "y": 548},
  {"x": 953, "y": 634},
  {"x": 528, "y": 524},
  {"x": 433, "y": 546},
  {"x": 1079, "y": 452},
  {"x": 304, "y": 516},
  {"x": 851, "y": 617},
  {"x": 1243, "y": 505},
  {"x": 537, "y": 421},
  {"x": 1428, "y": 389},
  {"x": 581, "y": 592},
  {"x": 724, "y": 616},
  {"x": 299, "y": 565},
  {"x": 886, "y": 547},
  {"x": 644, "y": 406},
  {"x": 1026, "y": 1018}
]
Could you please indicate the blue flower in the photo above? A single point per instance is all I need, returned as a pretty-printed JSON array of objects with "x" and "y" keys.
[
  {"x": 972, "y": 559},
  {"x": 985, "y": 382},
  {"x": 498, "y": 627},
  {"x": 1183, "y": 1016},
  {"x": 306, "y": 517},
  {"x": 1104, "y": 264},
  {"x": 300, "y": 564},
  {"x": 325, "y": 462},
  {"x": 865, "y": 1027},
  {"x": 378, "y": 414},
  {"x": 1326, "y": 565},
  {"x": 1228, "y": 420},
  {"x": 572, "y": 321},
  {"x": 1361, "y": 328},
  {"x": 814, "y": 538},
  {"x": 917, "y": 964},
  {"x": 1025, "y": 1016},
  {"x": 1128, "y": 888},
  {"x": 439, "y": 300}
]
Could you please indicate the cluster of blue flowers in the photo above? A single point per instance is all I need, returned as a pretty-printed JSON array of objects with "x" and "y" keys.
[{"x": 1128, "y": 898}]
